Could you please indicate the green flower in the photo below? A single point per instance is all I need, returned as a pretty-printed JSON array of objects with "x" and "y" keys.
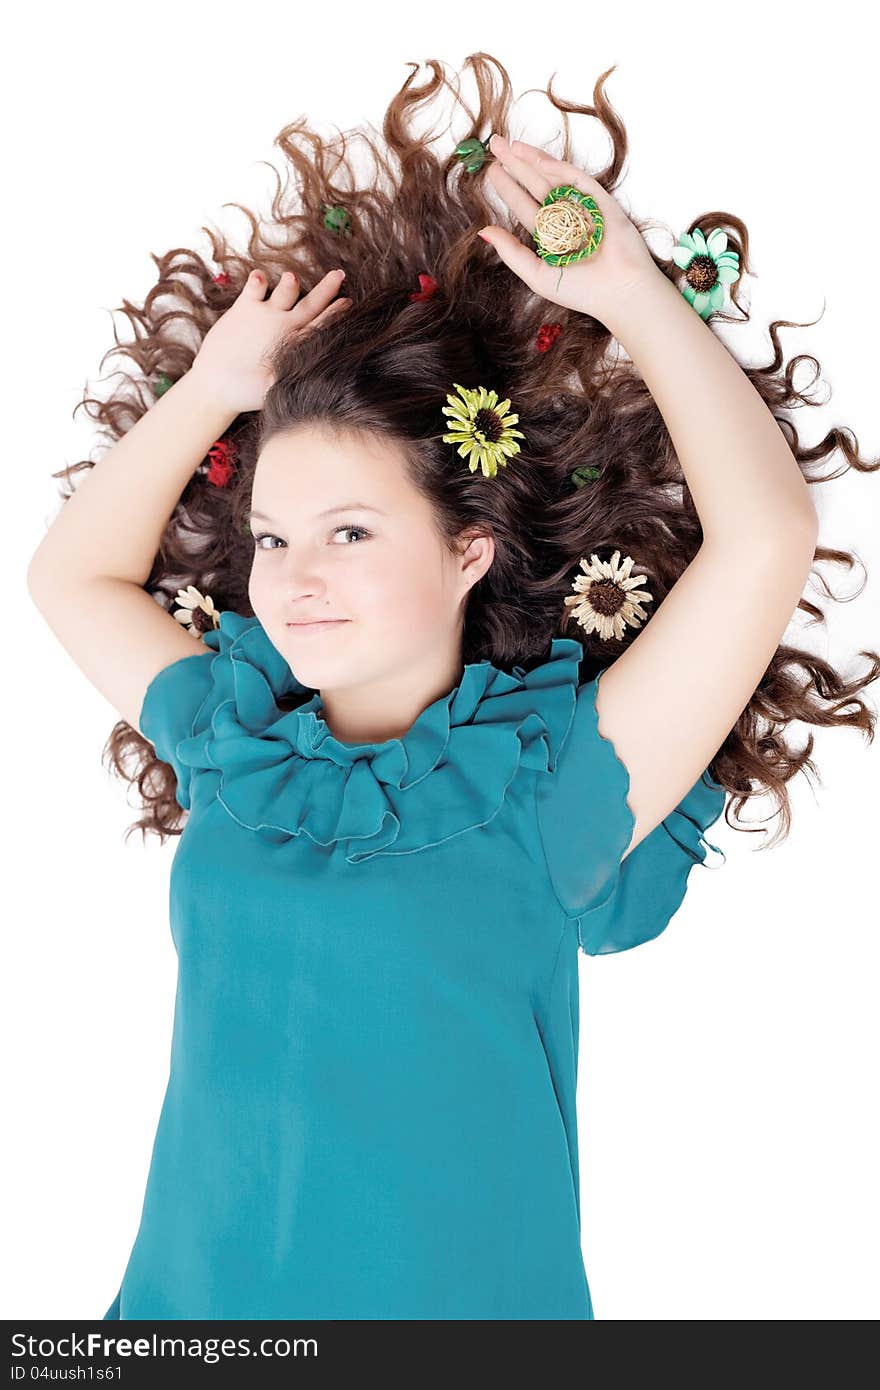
[
  {"x": 481, "y": 428},
  {"x": 473, "y": 154},
  {"x": 583, "y": 475},
  {"x": 337, "y": 219},
  {"x": 709, "y": 266}
]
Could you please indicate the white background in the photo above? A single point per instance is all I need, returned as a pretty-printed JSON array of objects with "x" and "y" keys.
[{"x": 728, "y": 1082}]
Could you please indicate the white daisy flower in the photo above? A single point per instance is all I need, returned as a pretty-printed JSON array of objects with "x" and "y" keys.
[
  {"x": 607, "y": 598},
  {"x": 196, "y": 611}
]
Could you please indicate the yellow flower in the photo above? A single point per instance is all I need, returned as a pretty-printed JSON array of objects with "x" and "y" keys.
[
  {"x": 607, "y": 598},
  {"x": 481, "y": 428},
  {"x": 196, "y": 611}
]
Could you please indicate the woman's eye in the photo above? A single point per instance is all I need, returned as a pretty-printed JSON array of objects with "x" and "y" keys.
[
  {"x": 360, "y": 530},
  {"x": 267, "y": 536}
]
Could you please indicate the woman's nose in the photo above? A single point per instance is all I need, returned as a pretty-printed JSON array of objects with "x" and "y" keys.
[{"x": 302, "y": 576}]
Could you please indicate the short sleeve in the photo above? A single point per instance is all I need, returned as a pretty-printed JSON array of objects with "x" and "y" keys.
[
  {"x": 172, "y": 700},
  {"x": 586, "y": 824}
]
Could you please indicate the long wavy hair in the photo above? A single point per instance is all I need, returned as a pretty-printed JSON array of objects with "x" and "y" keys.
[{"x": 385, "y": 366}]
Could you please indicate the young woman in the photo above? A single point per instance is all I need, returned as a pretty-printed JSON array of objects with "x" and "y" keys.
[{"x": 412, "y": 781}]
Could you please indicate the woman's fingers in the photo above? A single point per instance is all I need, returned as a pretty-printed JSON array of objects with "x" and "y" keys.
[
  {"x": 523, "y": 262},
  {"x": 286, "y": 292},
  {"x": 319, "y": 296},
  {"x": 255, "y": 285},
  {"x": 555, "y": 171},
  {"x": 539, "y": 171},
  {"x": 337, "y": 307},
  {"x": 338, "y": 304},
  {"x": 523, "y": 168},
  {"x": 521, "y": 204}
]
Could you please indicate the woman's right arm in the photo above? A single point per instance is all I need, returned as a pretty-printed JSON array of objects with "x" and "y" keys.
[
  {"x": 87, "y": 575},
  {"x": 112, "y": 524}
]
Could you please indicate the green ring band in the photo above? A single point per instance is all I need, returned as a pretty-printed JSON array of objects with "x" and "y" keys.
[{"x": 567, "y": 190}]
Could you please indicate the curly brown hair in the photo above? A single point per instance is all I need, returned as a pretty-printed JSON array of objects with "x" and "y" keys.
[{"x": 386, "y": 365}]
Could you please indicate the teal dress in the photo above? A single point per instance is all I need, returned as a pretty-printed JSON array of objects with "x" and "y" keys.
[{"x": 370, "y": 1107}]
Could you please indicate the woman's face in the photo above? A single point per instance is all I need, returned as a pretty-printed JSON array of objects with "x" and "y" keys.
[{"x": 341, "y": 534}]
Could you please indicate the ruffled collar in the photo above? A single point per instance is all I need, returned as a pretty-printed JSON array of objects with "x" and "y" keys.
[{"x": 283, "y": 773}]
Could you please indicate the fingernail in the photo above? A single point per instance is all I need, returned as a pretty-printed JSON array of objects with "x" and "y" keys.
[{"x": 485, "y": 238}]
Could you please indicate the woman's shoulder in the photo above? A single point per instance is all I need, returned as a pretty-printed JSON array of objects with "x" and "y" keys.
[{"x": 586, "y": 825}]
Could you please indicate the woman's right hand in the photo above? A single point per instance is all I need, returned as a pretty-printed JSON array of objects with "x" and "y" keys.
[{"x": 230, "y": 363}]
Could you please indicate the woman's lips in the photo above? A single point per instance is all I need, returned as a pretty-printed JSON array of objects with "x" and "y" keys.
[{"x": 317, "y": 627}]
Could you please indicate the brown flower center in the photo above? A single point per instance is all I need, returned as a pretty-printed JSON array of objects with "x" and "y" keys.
[
  {"x": 606, "y": 597},
  {"x": 702, "y": 274},
  {"x": 202, "y": 621},
  {"x": 489, "y": 425}
]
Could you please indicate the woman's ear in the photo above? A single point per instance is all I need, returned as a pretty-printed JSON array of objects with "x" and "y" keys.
[{"x": 477, "y": 553}]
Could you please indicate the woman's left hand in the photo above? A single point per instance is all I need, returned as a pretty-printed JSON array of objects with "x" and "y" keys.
[{"x": 523, "y": 175}]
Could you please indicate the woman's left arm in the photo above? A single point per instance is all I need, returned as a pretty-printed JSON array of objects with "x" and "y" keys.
[{"x": 670, "y": 700}]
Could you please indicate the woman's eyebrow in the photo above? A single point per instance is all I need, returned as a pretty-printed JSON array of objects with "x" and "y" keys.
[{"x": 331, "y": 511}]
